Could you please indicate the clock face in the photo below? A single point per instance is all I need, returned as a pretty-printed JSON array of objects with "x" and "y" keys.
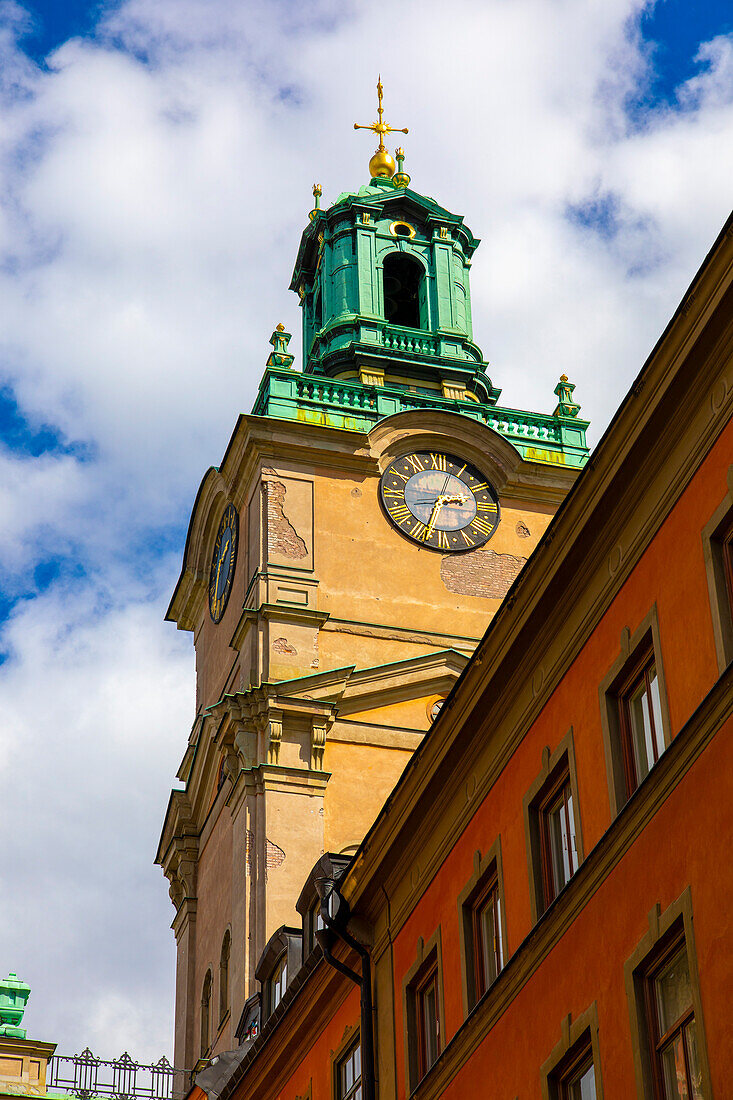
[
  {"x": 223, "y": 562},
  {"x": 440, "y": 501}
]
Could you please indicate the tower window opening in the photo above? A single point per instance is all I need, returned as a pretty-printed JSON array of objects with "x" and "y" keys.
[
  {"x": 403, "y": 278},
  {"x": 318, "y": 311}
]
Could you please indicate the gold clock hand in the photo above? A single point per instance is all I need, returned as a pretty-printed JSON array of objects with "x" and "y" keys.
[{"x": 433, "y": 518}]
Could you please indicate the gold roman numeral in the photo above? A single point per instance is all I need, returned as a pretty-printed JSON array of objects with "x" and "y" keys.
[
  {"x": 478, "y": 488},
  {"x": 400, "y": 512},
  {"x": 466, "y": 539},
  {"x": 405, "y": 477},
  {"x": 486, "y": 506},
  {"x": 415, "y": 463},
  {"x": 442, "y": 540},
  {"x": 418, "y": 531},
  {"x": 481, "y": 525},
  {"x": 438, "y": 462},
  {"x": 399, "y": 493}
]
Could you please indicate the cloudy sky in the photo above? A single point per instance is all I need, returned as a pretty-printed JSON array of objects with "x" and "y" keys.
[{"x": 156, "y": 164}]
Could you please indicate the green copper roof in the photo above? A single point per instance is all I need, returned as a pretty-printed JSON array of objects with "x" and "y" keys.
[
  {"x": 383, "y": 277},
  {"x": 14, "y": 995}
]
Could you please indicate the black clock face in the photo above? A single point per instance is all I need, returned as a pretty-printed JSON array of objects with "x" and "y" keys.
[
  {"x": 440, "y": 501},
  {"x": 223, "y": 562}
]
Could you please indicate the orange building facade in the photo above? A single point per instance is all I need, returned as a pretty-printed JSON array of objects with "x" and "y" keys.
[{"x": 545, "y": 898}]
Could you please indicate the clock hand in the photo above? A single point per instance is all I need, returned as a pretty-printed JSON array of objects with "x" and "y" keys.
[{"x": 433, "y": 517}]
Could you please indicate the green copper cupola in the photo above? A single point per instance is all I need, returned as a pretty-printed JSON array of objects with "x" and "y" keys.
[{"x": 383, "y": 280}]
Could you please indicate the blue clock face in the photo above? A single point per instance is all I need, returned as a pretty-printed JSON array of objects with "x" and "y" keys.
[
  {"x": 223, "y": 562},
  {"x": 440, "y": 501}
]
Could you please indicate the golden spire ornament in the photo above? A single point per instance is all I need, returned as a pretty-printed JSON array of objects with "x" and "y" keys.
[
  {"x": 382, "y": 163},
  {"x": 317, "y": 192}
]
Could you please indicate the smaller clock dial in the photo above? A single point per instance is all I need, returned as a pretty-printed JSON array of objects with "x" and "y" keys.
[
  {"x": 440, "y": 501},
  {"x": 223, "y": 562}
]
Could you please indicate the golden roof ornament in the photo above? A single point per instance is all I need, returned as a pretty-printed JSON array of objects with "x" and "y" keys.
[
  {"x": 382, "y": 163},
  {"x": 317, "y": 192},
  {"x": 401, "y": 177}
]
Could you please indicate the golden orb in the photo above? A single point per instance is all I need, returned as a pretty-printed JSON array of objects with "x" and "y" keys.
[{"x": 382, "y": 164}]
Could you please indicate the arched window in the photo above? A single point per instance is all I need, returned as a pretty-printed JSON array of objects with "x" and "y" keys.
[
  {"x": 206, "y": 1014},
  {"x": 403, "y": 290},
  {"x": 224, "y": 976}
]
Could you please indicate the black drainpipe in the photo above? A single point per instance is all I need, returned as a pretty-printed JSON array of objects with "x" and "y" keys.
[{"x": 335, "y": 914}]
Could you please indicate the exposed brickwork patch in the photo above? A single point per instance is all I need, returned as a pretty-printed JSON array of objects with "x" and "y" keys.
[
  {"x": 480, "y": 573},
  {"x": 522, "y": 530},
  {"x": 282, "y": 536},
  {"x": 274, "y": 856},
  {"x": 282, "y": 645}
]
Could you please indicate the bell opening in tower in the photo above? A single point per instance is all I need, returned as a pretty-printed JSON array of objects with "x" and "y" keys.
[{"x": 403, "y": 277}]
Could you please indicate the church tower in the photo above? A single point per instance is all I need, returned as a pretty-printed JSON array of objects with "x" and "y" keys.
[{"x": 340, "y": 566}]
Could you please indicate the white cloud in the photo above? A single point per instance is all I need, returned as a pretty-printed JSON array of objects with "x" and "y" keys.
[
  {"x": 154, "y": 182},
  {"x": 95, "y": 700}
]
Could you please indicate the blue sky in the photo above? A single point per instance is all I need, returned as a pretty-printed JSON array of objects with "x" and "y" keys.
[
  {"x": 154, "y": 182},
  {"x": 674, "y": 28}
]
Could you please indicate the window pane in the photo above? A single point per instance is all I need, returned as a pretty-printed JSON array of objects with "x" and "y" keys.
[
  {"x": 350, "y": 1075},
  {"x": 487, "y": 920},
  {"x": 641, "y": 730},
  {"x": 559, "y": 876},
  {"x": 430, "y": 1025},
  {"x": 693, "y": 1061},
  {"x": 673, "y": 992},
  {"x": 499, "y": 948},
  {"x": 673, "y": 1070},
  {"x": 656, "y": 704},
  {"x": 572, "y": 850},
  {"x": 561, "y": 827},
  {"x": 584, "y": 1088}
]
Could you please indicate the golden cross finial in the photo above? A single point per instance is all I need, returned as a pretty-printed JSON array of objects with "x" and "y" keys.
[
  {"x": 381, "y": 164},
  {"x": 380, "y": 127}
]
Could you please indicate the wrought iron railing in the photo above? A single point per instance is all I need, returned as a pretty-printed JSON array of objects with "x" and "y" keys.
[{"x": 86, "y": 1077}]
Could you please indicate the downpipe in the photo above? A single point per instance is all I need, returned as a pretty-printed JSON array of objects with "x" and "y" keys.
[{"x": 335, "y": 914}]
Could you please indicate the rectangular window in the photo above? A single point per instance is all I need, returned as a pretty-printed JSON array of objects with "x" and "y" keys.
[
  {"x": 726, "y": 540},
  {"x": 572, "y": 1072},
  {"x": 486, "y": 926},
  {"x": 677, "y": 1069},
  {"x": 278, "y": 982},
  {"x": 577, "y": 1079},
  {"x": 312, "y": 923},
  {"x": 640, "y": 721},
  {"x": 348, "y": 1074},
  {"x": 559, "y": 851},
  {"x": 422, "y": 994},
  {"x": 427, "y": 1019},
  {"x": 717, "y": 541}
]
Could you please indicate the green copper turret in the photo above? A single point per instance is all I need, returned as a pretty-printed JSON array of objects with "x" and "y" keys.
[
  {"x": 383, "y": 278},
  {"x": 14, "y": 995}
]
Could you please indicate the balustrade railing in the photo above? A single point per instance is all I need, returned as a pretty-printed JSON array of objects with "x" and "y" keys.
[
  {"x": 408, "y": 340},
  {"x": 291, "y": 390},
  {"x": 87, "y": 1076},
  {"x": 333, "y": 393}
]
